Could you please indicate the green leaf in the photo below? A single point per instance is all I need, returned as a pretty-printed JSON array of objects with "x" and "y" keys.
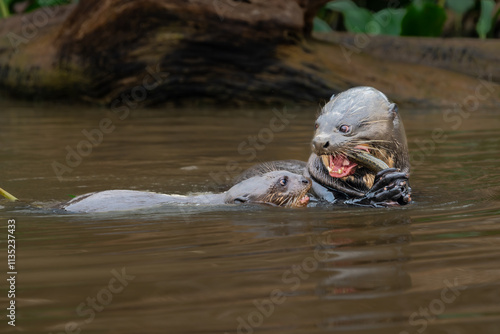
[
  {"x": 341, "y": 5},
  {"x": 460, "y": 6},
  {"x": 485, "y": 22},
  {"x": 355, "y": 18},
  {"x": 390, "y": 20},
  {"x": 423, "y": 19},
  {"x": 356, "y": 21},
  {"x": 4, "y": 8},
  {"x": 320, "y": 25}
]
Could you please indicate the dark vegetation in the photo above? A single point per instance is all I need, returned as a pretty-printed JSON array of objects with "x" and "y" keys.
[
  {"x": 10, "y": 7},
  {"x": 446, "y": 18}
]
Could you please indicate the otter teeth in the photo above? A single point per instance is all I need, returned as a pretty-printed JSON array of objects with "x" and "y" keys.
[
  {"x": 326, "y": 160},
  {"x": 338, "y": 171}
]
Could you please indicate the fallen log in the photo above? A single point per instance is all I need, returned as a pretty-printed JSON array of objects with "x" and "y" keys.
[
  {"x": 471, "y": 56},
  {"x": 218, "y": 51}
]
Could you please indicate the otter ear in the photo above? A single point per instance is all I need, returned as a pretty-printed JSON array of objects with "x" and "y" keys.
[
  {"x": 393, "y": 110},
  {"x": 241, "y": 199}
]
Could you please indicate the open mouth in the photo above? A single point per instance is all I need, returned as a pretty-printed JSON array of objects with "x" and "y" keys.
[
  {"x": 303, "y": 201},
  {"x": 339, "y": 165}
]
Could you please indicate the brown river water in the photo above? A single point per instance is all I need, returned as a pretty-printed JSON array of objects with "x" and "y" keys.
[{"x": 430, "y": 267}]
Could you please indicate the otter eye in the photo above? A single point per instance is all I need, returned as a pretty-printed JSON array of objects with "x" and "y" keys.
[
  {"x": 344, "y": 128},
  {"x": 284, "y": 181},
  {"x": 316, "y": 126}
]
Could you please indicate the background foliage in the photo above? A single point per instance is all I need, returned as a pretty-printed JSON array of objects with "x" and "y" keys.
[
  {"x": 411, "y": 18},
  {"x": 9, "y": 7}
]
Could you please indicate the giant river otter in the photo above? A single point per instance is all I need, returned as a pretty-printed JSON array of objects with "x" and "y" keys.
[
  {"x": 279, "y": 188},
  {"x": 360, "y": 119},
  {"x": 357, "y": 131}
]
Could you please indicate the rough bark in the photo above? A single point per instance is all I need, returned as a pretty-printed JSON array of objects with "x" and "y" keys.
[{"x": 220, "y": 51}]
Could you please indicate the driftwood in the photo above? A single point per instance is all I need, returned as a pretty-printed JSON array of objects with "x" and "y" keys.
[{"x": 226, "y": 51}]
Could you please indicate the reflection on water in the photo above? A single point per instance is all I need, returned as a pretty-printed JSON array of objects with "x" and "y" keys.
[{"x": 431, "y": 267}]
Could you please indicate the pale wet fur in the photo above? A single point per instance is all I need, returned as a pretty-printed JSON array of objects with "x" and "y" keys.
[{"x": 265, "y": 188}]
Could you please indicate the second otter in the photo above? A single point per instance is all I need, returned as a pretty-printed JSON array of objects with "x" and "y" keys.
[{"x": 279, "y": 188}]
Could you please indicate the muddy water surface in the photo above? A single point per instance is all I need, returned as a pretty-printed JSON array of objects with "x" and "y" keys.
[{"x": 432, "y": 267}]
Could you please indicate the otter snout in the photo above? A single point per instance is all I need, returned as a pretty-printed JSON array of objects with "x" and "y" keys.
[
  {"x": 329, "y": 143},
  {"x": 321, "y": 144}
]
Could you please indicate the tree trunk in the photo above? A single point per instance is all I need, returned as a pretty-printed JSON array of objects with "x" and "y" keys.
[{"x": 222, "y": 51}]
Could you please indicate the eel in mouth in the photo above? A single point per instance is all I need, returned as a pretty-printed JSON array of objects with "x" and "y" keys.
[{"x": 342, "y": 165}]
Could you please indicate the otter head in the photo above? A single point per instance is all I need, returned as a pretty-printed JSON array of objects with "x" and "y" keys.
[
  {"x": 279, "y": 188},
  {"x": 360, "y": 118}
]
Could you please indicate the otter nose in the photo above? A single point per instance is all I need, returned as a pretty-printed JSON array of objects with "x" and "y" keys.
[
  {"x": 305, "y": 180},
  {"x": 320, "y": 143}
]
